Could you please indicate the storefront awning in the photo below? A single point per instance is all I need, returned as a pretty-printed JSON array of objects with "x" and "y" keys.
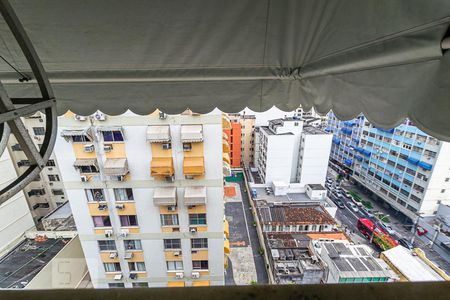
[
  {"x": 84, "y": 162},
  {"x": 191, "y": 133},
  {"x": 381, "y": 58},
  {"x": 161, "y": 166},
  {"x": 195, "y": 195},
  {"x": 193, "y": 166},
  {"x": 158, "y": 134},
  {"x": 116, "y": 166},
  {"x": 165, "y": 196}
]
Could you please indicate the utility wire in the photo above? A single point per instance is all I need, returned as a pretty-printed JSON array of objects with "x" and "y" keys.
[{"x": 25, "y": 77}]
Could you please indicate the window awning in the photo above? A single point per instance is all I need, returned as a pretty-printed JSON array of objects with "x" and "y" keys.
[
  {"x": 161, "y": 166},
  {"x": 84, "y": 162},
  {"x": 116, "y": 166},
  {"x": 158, "y": 134},
  {"x": 193, "y": 166},
  {"x": 352, "y": 56},
  {"x": 110, "y": 128},
  {"x": 165, "y": 196},
  {"x": 76, "y": 132},
  {"x": 195, "y": 195},
  {"x": 191, "y": 133}
]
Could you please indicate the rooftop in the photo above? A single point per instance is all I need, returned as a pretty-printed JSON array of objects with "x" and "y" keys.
[
  {"x": 267, "y": 130},
  {"x": 19, "y": 266},
  {"x": 289, "y": 215},
  {"x": 316, "y": 187},
  {"x": 61, "y": 212},
  {"x": 314, "y": 130},
  {"x": 287, "y": 240}
]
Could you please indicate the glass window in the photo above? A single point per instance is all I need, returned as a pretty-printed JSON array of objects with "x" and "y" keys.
[
  {"x": 132, "y": 244},
  {"x": 128, "y": 220},
  {"x": 108, "y": 245},
  {"x": 138, "y": 266},
  {"x": 124, "y": 194},
  {"x": 117, "y": 285},
  {"x": 172, "y": 244},
  {"x": 95, "y": 195},
  {"x": 169, "y": 220},
  {"x": 112, "y": 267},
  {"x": 53, "y": 177},
  {"x": 140, "y": 284},
  {"x": 39, "y": 130},
  {"x": 174, "y": 265},
  {"x": 58, "y": 192},
  {"x": 199, "y": 243},
  {"x": 197, "y": 219},
  {"x": 101, "y": 221},
  {"x": 50, "y": 163},
  {"x": 112, "y": 136},
  {"x": 200, "y": 265},
  {"x": 80, "y": 139},
  {"x": 88, "y": 169}
]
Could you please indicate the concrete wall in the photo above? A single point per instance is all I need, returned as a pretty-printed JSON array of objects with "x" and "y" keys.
[{"x": 64, "y": 271}]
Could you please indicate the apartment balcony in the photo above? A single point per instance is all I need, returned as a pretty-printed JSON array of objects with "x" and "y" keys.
[
  {"x": 162, "y": 167},
  {"x": 225, "y": 147},
  {"x": 193, "y": 166},
  {"x": 226, "y": 246},
  {"x": 191, "y": 133},
  {"x": 88, "y": 168},
  {"x": 158, "y": 134},
  {"x": 194, "y": 195},
  {"x": 116, "y": 167},
  {"x": 226, "y": 123},
  {"x": 226, "y": 158},
  {"x": 165, "y": 196}
]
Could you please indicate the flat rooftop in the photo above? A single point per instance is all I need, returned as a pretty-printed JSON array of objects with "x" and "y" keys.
[
  {"x": 314, "y": 130},
  {"x": 291, "y": 215},
  {"x": 267, "y": 130},
  {"x": 316, "y": 187},
  {"x": 62, "y": 212},
  {"x": 19, "y": 266}
]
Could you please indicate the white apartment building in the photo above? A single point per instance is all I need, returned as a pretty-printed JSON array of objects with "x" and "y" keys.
[
  {"x": 45, "y": 193},
  {"x": 292, "y": 154},
  {"x": 147, "y": 197},
  {"x": 15, "y": 216}
]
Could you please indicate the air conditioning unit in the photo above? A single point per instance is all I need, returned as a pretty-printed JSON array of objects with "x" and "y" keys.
[
  {"x": 167, "y": 146},
  {"x": 50, "y": 169},
  {"x": 171, "y": 208},
  {"x": 120, "y": 206},
  {"x": 189, "y": 177},
  {"x": 191, "y": 206},
  {"x": 187, "y": 146},
  {"x": 80, "y": 118},
  {"x": 108, "y": 233},
  {"x": 124, "y": 232},
  {"x": 162, "y": 116},
  {"x": 89, "y": 148},
  {"x": 170, "y": 178},
  {"x": 128, "y": 255},
  {"x": 107, "y": 148},
  {"x": 179, "y": 275},
  {"x": 113, "y": 255},
  {"x": 99, "y": 116},
  {"x": 118, "y": 276},
  {"x": 84, "y": 178},
  {"x": 121, "y": 178},
  {"x": 133, "y": 276},
  {"x": 195, "y": 275},
  {"x": 194, "y": 252},
  {"x": 177, "y": 253},
  {"x": 102, "y": 207},
  {"x": 193, "y": 230}
]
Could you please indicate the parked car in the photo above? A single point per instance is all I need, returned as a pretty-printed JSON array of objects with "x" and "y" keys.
[
  {"x": 353, "y": 207},
  {"x": 347, "y": 194},
  {"x": 405, "y": 243},
  {"x": 368, "y": 213},
  {"x": 339, "y": 203},
  {"x": 329, "y": 180},
  {"x": 338, "y": 194},
  {"x": 387, "y": 228}
]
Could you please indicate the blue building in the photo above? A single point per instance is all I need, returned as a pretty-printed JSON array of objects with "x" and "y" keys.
[{"x": 405, "y": 167}]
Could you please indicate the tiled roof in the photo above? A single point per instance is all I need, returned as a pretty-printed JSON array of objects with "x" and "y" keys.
[{"x": 288, "y": 215}]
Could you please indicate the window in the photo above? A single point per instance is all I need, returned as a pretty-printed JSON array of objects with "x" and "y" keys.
[
  {"x": 410, "y": 171},
  {"x": 407, "y": 146},
  {"x": 174, "y": 265},
  {"x": 140, "y": 284},
  {"x": 197, "y": 219},
  {"x": 407, "y": 182},
  {"x": 124, "y": 194},
  {"x": 130, "y": 220},
  {"x": 172, "y": 244},
  {"x": 101, "y": 221},
  {"x": 108, "y": 245},
  {"x": 404, "y": 192},
  {"x": 169, "y": 220},
  {"x": 23, "y": 163},
  {"x": 50, "y": 163},
  {"x": 53, "y": 177},
  {"x": 132, "y": 244},
  {"x": 403, "y": 156},
  {"x": 200, "y": 265},
  {"x": 415, "y": 199},
  {"x": 95, "y": 195},
  {"x": 118, "y": 285},
  {"x": 442, "y": 191},
  {"x": 199, "y": 243},
  {"x": 418, "y": 188},
  {"x": 39, "y": 130},
  {"x": 36, "y": 192},
  {"x": 88, "y": 169},
  {"x": 80, "y": 139},
  {"x": 112, "y": 267},
  {"x": 138, "y": 266},
  {"x": 58, "y": 192},
  {"x": 447, "y": 179},
  {"x": 16, "y": 147},
  {"x": 112, "y": 136}
]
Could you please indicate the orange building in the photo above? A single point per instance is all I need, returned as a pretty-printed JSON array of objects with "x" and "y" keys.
[{"x": 234, "y": 140}]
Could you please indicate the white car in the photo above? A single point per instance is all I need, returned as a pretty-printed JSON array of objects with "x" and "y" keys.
[
  {"x": 388, "y": 229},
  {"x": 353, "y": 207}
]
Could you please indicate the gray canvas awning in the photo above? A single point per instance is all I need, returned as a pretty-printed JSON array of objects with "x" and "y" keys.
[
  {"x": 165, "y": 196},
  {"x": 84, "y": 162},
  {"x": 110, "y": 128},
  {"x": 76, "y": 132},
  {"x": 195, "y": 195},
  {"x": 115, "y": 166},
  {"x": 380, "y": 57},
  {"x": 191, "y": 133},
  {"x": 158, "y": 134}
]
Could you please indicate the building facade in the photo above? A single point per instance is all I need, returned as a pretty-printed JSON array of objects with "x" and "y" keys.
[
  {"x": 404, "y": 166},
  {"x": 45, "y": 193},
  {"x": 147, "y": 197},
  {"x": 234, "y": 136}
]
